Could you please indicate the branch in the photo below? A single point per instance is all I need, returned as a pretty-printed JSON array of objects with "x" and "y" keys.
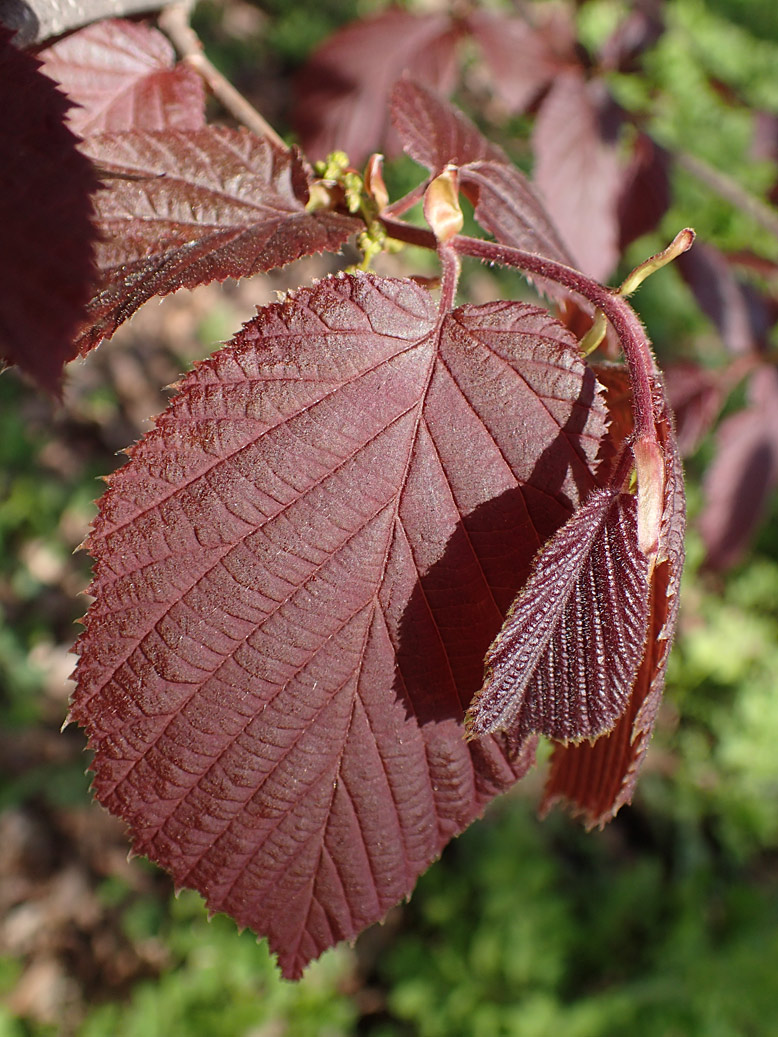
[
  {"x": 174, "y": 21},
  {"x": 36, "y": 20},
  {"x": 728, "y": 189}
]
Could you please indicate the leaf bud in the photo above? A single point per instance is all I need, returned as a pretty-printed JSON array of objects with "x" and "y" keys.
[
  {"x": 374, "y": 181},
  {"x": 441, "y": 205},
  {"x": 650, "y": 466}
]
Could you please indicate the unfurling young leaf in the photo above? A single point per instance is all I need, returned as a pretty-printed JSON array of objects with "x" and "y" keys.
[
  {"x": 564, "y": 663},
  {"x": 598, "y": 779}
]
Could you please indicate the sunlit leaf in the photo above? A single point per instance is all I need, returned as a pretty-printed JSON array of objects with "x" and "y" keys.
[
  {"x": 124, "y": 76},
  {"x": 297, "y": 576},
  {"x": 200, "y": 206}
]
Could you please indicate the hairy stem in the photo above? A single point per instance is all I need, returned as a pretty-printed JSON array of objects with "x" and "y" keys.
[
  {"x": 451, "y": 266},
  {"x": 174, "y": 21},
  {"x": 401, "y": 231},
  {"x": 642, "y": 367}
]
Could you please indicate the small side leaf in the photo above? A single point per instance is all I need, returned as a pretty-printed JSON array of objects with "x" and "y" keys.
[
  {"x": 124, "y": 76},
  {"x": 434, "y": 134},
  {"x": 566, "y": 658},
  {"x": 200, "y": 206}
]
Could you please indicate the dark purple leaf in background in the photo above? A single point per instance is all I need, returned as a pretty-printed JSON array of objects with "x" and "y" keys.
[
  {"x": 46, "y": 257},
  {"x": 297, "y": 575},
  {"x": 201, "y": 206},
  {"x": 741, "y": 314},
  {"x": 645, "y": 192},
  {"x": 342, "y": 93},
  {"x": 124, "y": 77},
  {"x": 743, "y": 473},
  {"x": 522, "y": 59},
  {"x": 579, "y": 171},
  {"x": 564, "y": 663},
  {"x": 638, "y": 32},
  {"x": 696, "y": 396}
]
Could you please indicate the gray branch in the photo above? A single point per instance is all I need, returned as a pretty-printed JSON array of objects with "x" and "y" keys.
[{"x": 36, "y": 20}]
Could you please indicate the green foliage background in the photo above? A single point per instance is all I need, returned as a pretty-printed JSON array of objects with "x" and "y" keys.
[{"x": 665, "y": 923}]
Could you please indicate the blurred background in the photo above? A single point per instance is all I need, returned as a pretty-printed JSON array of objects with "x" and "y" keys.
[{"x": 666, "y": 922}]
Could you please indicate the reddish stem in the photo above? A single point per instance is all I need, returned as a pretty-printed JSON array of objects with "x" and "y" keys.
[
  {"x": 642, "y": 367},
  {"x": 451, "y": 266},
  {"x": 643, "y": 371}
]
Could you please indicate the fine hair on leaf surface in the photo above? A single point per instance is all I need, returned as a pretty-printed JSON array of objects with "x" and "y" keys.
[{"x": 381, "y": 540}]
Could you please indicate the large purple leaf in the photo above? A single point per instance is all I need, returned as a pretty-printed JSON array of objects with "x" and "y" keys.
[
  {"x": 598, "y": 778},
  {"x": 124, "y": 77},
  {"x": 578, "y": 169},
  {"x": 46, "y": 258},
  {"x": 743, "y": 474},
  {"x": 297, "y": 576},
  {"x": 564, "y": 663},
  {"x": 199, "y": 206},
  {"x": 343, "y": 90},
  {"x": 434, "y": 134}
]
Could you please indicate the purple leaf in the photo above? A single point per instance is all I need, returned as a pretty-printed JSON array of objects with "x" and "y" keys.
[
  {"x": 565, "y": 661},
  {"x": 578, "y": 169},
  {"x": 46, "y": 258},
  {"x": 597, "y": 779},
  {"x": 638, "y": 31},
  {"x": 297, "y": 575},
  {"x": 343, "y": 91},
  {"x": 743, "y": 474},
  {"x": 434, "y": 133},
  {"x": 741, "y": 315},
  {"x": 522, "y": 59},
  {"x": 696, "y": 395},
  {"x": 201, "y": 206},
  {"x": 123, "y": 76},
  {"x": 645, "y": 192}
]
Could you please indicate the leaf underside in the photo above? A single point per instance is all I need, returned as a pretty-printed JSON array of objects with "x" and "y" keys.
[
  {"x": 201, "y": 206},
  {"x": 564, "y": 663},
  {"x": 297, "y": 576}
]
